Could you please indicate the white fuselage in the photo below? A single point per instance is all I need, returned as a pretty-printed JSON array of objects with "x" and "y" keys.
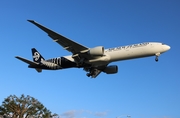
[
  {"x": 128, "y": 52},
  {"x": 136, "y": 51}
]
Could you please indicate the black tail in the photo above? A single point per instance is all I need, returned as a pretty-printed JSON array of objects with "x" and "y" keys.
[{"x": 36, "y": 55}]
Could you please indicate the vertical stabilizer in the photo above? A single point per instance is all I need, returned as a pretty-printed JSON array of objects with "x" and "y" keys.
[{"x": 37, "y": 57}]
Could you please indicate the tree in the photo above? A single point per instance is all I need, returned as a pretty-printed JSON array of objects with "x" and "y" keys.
[{"x": 24, "y": 107}]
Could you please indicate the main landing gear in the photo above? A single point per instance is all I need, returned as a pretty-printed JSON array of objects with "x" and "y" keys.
[
  {"x": 157, "y": 55},
  {"x": 87, "y": 69},
  {"x": 90, "y": 72}
]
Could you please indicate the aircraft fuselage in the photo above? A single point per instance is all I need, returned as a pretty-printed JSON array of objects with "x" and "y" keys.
[{"x": 110, "y": 55}]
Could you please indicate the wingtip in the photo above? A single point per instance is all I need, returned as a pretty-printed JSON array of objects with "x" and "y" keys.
[
  {"x": 17, "y": 57},
  {"x": 32, "y": 21}
]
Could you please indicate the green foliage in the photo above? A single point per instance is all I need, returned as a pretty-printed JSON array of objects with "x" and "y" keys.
[{"x": 24, "y": 107}]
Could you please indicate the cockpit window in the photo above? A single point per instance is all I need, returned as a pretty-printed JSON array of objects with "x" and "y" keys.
[{"x": 163, "y": 44}]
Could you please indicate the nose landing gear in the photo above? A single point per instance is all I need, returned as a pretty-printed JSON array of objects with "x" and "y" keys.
[{"x": 157, "y": 55}]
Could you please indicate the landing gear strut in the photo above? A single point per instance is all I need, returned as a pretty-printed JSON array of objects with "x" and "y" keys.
[{"x": 157, "y": 55}]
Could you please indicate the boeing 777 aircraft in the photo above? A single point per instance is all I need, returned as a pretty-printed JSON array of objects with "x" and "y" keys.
[{"x": 92, "y": 60}]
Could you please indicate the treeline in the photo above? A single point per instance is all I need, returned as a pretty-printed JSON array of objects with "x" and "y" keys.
[{"x": 24, "y": 107}]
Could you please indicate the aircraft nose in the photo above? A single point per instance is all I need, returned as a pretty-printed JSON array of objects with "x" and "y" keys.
[{"x": 167, "y": 47}]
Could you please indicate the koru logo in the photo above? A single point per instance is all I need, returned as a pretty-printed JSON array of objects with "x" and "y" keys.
[{"x": 36, "y": 56}]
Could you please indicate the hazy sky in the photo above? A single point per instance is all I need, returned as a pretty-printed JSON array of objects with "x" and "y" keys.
[{"x": 142, "y": 88}]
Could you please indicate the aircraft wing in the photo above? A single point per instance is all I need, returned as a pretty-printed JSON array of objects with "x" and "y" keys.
[
  {"x": 78, "y": 50},
  {"x": 66, "y": 43}
]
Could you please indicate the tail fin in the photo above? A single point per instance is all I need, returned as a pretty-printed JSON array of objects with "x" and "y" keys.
[{"x": 37, "y": 57}]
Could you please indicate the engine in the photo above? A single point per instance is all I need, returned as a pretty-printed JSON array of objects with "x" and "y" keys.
[
  {"x": 97, "y": 51},
  {"x": 111, "y": 69}
]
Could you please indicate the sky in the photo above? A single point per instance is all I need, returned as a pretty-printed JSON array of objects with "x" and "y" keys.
[{"x": 142, "y": 88}]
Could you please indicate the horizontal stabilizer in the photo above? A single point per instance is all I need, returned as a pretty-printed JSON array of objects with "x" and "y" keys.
[{"x": 26, "y": 61}]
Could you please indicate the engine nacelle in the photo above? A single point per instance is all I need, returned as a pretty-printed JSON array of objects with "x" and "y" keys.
[
  {"x": 111, "y": 69},
  {"x": 97, "y": 51}
]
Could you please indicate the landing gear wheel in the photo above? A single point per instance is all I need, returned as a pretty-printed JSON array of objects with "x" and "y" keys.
[
  {"x": 156, "y": 59},
  {"x": 88, "y": 74}
]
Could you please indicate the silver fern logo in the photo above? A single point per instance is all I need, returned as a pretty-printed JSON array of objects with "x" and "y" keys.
[{"x": 36, "y": 56}]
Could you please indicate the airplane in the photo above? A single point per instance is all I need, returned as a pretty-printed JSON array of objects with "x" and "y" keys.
[{"x": 92, "y": 60}]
